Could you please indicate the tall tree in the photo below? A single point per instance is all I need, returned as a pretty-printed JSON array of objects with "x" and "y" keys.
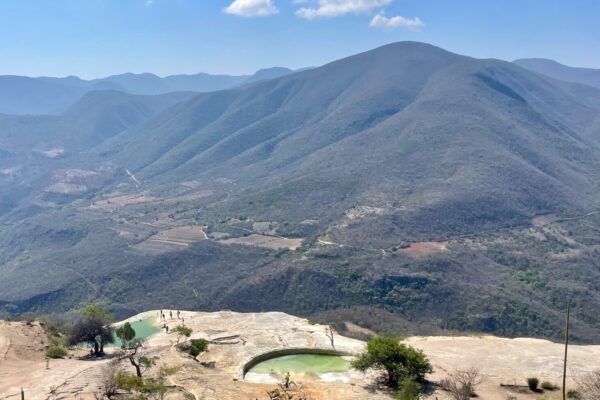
[
  {"x": 126, "y": 334},
  {"x": 134, "y": 349},
  {"x": 94, "y": 331}
]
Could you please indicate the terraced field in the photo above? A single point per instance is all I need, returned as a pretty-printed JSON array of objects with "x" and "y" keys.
[{"x": 172, "y": 239}]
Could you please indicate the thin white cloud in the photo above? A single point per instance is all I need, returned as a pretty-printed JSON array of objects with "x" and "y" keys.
[
  {"x": 381, "y": 21},
  {"x": 335, "y": 8},
  {"x": 149, "y": 2},
  {"x": 252, "y": 8}
]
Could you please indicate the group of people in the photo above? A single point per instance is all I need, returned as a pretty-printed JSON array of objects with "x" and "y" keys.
[{"x": 163, "y": 318}]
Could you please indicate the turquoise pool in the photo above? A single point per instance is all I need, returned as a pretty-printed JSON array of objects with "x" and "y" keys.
[
  {"x": 143, "y": 330},
  {"x": 302, "y": 363}
]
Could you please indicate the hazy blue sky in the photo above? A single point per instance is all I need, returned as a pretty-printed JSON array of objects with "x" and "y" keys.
[{"x": 93, "y": 38}]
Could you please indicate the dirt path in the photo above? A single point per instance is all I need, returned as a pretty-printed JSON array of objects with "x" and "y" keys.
[{"x": 133, "y": 178}]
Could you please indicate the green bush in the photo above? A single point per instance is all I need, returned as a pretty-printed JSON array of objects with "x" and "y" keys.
[
  {"x": 134, "y": 384},
  {"x": 56, "y": 352},
  {"x": 399, "y": 361},
  {"x": 533, "y": 384},
  {"x": 129, "y": 383},
  {"x": 182, "y": 330},
  {"x": 574, "y": 394},
  {"x": 409, "y": 390},
  {"x": 549, "y": 386},
  {"x": 198, "y": 346},
  {"x": 194, "y": 347}
]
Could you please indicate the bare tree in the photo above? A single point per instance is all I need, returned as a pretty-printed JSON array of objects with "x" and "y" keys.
[
  {"x": 461, "y": 384},
  {"x": 329, "y": 332},
  {"x": 108, "y": 386},
  {"x": 588, "y": 385},
  {"x": 135, "y": 353}
]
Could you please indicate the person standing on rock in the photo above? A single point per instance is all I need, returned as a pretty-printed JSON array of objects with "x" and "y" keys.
[
  {"x": 171, "y": 314},
  {"x": 178, "y": 314}
]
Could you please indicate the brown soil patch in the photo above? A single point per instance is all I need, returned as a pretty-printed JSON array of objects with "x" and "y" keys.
[{"x": 425, "y": 248}]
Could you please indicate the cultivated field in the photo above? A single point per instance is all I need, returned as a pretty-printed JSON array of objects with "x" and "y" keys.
[
  {"x": 172, "y": 239},
  {"x": 425, "y": 248},
  {"x": 269, "y": 242}
]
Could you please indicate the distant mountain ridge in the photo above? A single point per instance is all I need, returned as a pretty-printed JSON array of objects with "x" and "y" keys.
[
  {"x": 553, "y": 69},
  {"x": 51, "y": 96}
]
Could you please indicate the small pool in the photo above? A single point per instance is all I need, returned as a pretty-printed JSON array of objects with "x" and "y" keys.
[
  {"x": 302, "y": 363},
  {"x": 143, "y": 330}
]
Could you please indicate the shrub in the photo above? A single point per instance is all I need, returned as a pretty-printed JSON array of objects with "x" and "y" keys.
[
  {"x": 54, "y": 326},
  {"x": 56, "y": 352},
  {"x": 399, "y": 361},
  {"x": 445, "y": 384},
  {"x": 129, "y": 383},
  {"x": 588, "y": 385},
  {"x": 156, "y": 389},
  {"x": 409, "y": 390},
  {"x": 533, "y": 384},
  {"x": 461, "y": 384},
  {"x": 198, "y": 346},
  {"x": 194, "y": 347},
  {"x": 574, "y": 394},
  {"x": 546, "y": 385},
  {"x": 108, "y": 385},
  {"x": 182, "y": 331}
]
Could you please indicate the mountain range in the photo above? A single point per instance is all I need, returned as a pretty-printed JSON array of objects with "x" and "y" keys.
[
  {"x": 44, "y": 95},
  {"x": 404, "y": 188},
  {"x": 584, "y": 76}
]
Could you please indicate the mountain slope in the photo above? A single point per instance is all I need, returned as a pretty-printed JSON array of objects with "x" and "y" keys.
[
  {"x": 451, "y": 192},
  {"x": 35, "y": 148},
  {"x": 483, "y": 133},
  {"x": 95, "y": 117},
  {"x": 584, "y": 76}
]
